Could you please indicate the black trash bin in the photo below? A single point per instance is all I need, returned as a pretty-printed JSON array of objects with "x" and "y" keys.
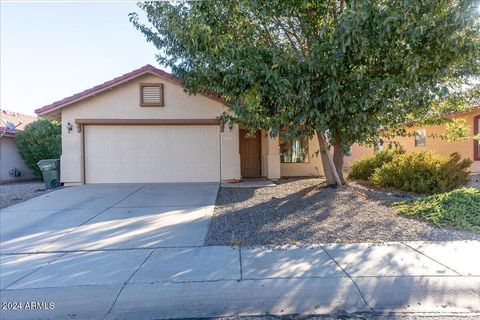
[{"x": 51, "y": 172}]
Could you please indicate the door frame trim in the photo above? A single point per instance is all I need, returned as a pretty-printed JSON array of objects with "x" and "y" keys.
[{"x": 150, "y": 122}]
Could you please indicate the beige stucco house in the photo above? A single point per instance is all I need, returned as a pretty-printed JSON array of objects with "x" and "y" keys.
[
  {"x": 143, "y": 127},
  {"x": 430, "y": 138},
  {"x": 12, "y": 166}
]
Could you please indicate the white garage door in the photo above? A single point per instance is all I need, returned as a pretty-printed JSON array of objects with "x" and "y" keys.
[{"x": 129, "y": 154}]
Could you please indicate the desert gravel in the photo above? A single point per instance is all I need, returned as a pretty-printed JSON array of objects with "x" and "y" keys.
[
  {"x": 475, "y": 181},
  {"x": 304, "y": 211},
  {"x": 12, "y": 193}
]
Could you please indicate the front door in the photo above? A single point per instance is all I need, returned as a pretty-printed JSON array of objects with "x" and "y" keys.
[{"x": 250, "y": 154}]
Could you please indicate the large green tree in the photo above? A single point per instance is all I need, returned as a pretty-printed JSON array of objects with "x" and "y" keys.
[{"x": 348, "y": 68}]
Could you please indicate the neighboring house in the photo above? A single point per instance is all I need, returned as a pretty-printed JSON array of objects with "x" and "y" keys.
[
  {"x": 143, "y": 127},
  {"x": 429, "y": 138},
  {"x": 12, "y": 166}
]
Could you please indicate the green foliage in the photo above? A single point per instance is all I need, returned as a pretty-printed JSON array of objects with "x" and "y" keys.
[
  {"x": 458, "y": 101},
  {"x": 423, "y": 172},
  {"x": 459, "y": 209},
  {"x": 364, "y": 168},
  {"x": 457, "y": 129},
  {"x": 350, "y": 67},
  {"x": 40, "y": 140}
]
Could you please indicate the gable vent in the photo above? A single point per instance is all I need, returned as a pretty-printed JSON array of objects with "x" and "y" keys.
[{"x": 151, "y": 95}]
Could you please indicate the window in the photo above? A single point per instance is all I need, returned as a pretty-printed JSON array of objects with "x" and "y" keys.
[
  {"x": 151, "y": 95},
  {"x": 378, "y": 145},
  {"x": 476, "y": 144},
  {"x": 420, "y": 138},
  {"x": 250, "y": 135},
  {"x": 294, "y": 150}
]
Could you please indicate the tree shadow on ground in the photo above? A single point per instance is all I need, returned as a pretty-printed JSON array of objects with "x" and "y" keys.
[{"x": 309, "y": 213}]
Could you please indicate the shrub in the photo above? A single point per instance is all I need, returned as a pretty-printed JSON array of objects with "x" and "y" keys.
[
  {"x": 364, "y": 168},
  {"x": 423, "y": 172},
  {"x": 459, "y": 209},
  {"x": 40, "y": 140}
]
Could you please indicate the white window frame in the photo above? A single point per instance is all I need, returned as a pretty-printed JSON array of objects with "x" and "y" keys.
[{"x": 419, "y": 134}]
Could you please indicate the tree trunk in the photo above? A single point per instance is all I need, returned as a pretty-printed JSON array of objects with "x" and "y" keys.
[
  {"x": 328, "y": 166},
  {"x": 338, "y": 159}
]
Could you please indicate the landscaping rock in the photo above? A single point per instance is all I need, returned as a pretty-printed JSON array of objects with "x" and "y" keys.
[
  {"x": 12, "y": 193},
  {"x": 475, "y": 181},
  {"x": 302, "y": 212}
]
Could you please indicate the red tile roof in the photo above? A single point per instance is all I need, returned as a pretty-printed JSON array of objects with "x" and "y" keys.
[
  {"x": 461, "y": 113},
  {"x": 112, "y": 83}
]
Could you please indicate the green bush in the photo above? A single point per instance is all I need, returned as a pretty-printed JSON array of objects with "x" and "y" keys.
[
  {"x": 423, "y": 172},
  {"x": 40, "y": 140},
  {"x": 459, "y": 209},
  {"x": 364, "y": 168}
]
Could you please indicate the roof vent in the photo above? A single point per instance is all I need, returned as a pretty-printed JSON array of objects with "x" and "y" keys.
[{"x": 151, "y": 94}]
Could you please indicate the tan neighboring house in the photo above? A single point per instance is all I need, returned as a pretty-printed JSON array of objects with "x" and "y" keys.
[
  {"x": 12, "y": 166},
  {"x": 428, "y": 138}
]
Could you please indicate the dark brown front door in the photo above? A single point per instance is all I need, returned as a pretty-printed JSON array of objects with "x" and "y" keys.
[{"x": 250, "y": 151}]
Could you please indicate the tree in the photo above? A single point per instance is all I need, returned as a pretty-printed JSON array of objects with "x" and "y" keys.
[
  {"x": 440, "y": 113},
  {"x": 41, "y": 139},
  {"x": 349, "y": 68}
]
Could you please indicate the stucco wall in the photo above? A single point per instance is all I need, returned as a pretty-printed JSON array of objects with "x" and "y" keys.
[
  {"x": 264, "y": 151},
  {"x": 443, "y": 147},
  {"x": 435, "y": 145},
  {"x": 122, "y": 102},
  {"x": 230, "y": 151},
  {"x": 358, "y": 152},
  {"x": 312, "y": 168},
  {"x": 9, "y": 159}
]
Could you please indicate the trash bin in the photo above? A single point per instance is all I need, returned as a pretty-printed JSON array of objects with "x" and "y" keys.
[{"x": 51, "y": 172}]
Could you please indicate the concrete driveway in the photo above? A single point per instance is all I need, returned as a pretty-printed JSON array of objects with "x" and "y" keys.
[
  {"x": 136, "y": 252},
  {"x": 116, "y": 216},
  {"x": 46, "y": 242}
]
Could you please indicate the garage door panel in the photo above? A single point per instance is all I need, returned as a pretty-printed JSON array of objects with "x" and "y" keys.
[{"x": 152, "y": 154}]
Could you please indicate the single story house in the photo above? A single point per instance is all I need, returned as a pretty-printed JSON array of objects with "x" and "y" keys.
[
  {"x": 429, "y": 138},
  {"x": 12, "y": 166},
  {"x": 143, "y": 127}
]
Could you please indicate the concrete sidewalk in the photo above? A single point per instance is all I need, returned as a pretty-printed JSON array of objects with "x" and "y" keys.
[{"x": 198, "y": 281}]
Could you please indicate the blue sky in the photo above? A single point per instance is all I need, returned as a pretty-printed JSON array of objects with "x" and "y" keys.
[{"x": 52, "y": 50}]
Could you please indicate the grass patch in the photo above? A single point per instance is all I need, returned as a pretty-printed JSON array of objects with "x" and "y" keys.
[{"x": 459, "y": 209}]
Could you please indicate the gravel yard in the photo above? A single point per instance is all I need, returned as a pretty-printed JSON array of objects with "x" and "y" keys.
[
  {"x": 12, "y": 193},
  {"x": 475, "y": 181},
  {"x": 303, "y": 211}
]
